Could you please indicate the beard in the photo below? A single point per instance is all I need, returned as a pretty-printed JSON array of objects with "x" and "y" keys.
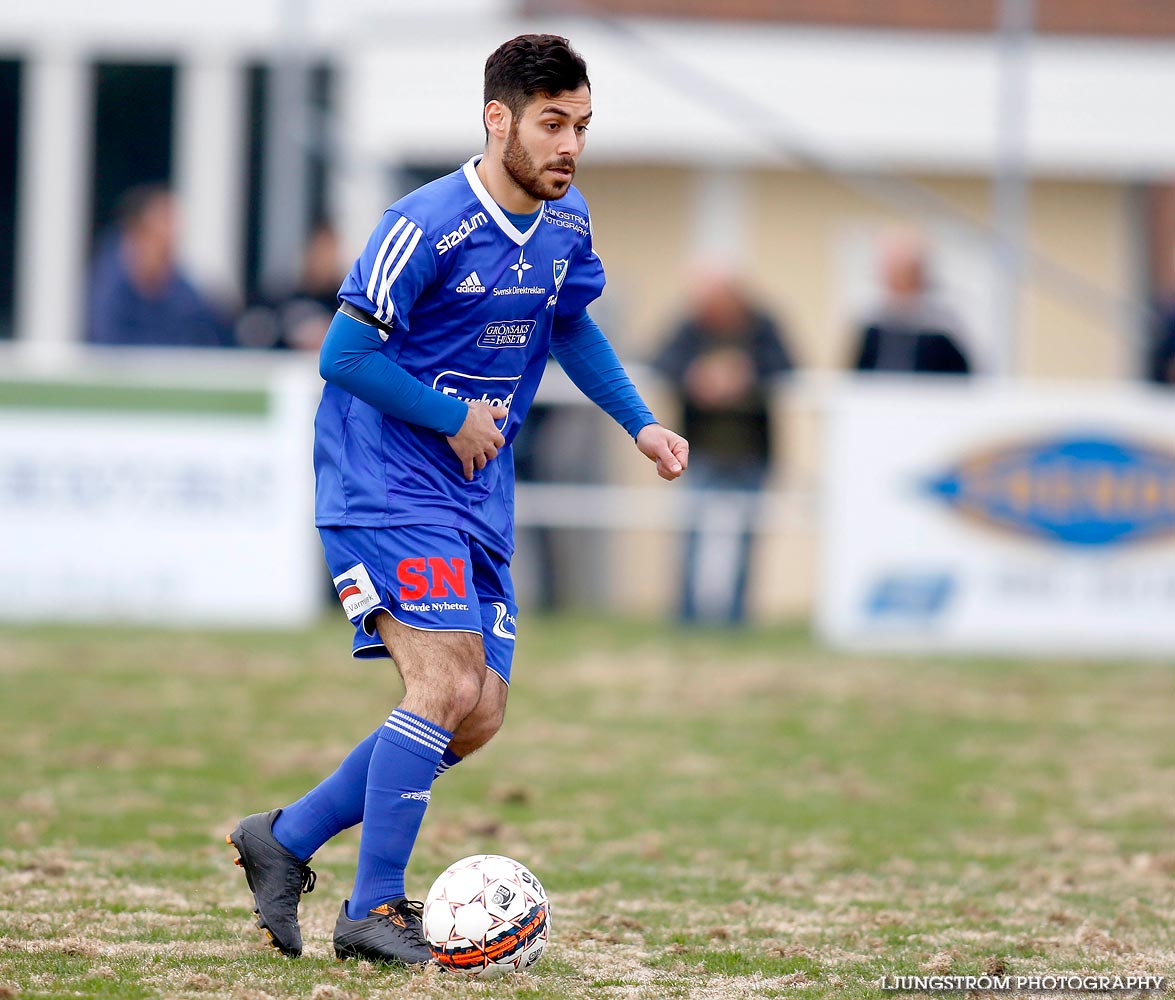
[{"x": 520, "y": 165}]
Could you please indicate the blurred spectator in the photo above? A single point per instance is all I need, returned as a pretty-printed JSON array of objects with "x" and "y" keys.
[
  {"x": 1162, "y": 359},
  {"x": 138, "y": 295},
  {"x": 910, "y": 331},
  {"x": 720, "y": 360},
  {"x": 297, "y": 319}
]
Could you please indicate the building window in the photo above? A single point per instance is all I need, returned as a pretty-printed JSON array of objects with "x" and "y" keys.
[
  {"x": 10, "y": 70},
  {"x": 134, "y": 114}
]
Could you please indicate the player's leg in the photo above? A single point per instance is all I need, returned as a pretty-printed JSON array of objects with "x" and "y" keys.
[
  {"x": 443, "y": 674},
  {"x": 483, "y": 722},
  {"x": 274, "y": 847},
  {"x": 358, "y": 560},
  {"x": 333, "y": 805},
  {"x": 499, "y": 620}
]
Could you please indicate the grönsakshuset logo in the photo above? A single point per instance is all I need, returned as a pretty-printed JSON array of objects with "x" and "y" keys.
[{"x": 1082, "y": 491}]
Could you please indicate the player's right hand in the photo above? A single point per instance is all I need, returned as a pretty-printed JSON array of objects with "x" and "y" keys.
[{"x": 479, "y": 439}]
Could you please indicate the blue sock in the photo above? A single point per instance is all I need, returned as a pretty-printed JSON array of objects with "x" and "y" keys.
[
  {"x": 335, "y": 804},
  {"x": 407, "y": 752},
  {"x": 449, "y": 760}
]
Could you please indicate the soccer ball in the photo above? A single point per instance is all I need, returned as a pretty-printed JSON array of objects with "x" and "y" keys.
[{"x": 486, "y": 916}]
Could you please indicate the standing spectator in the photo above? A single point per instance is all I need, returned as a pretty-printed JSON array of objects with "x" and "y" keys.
[
  {"x": 910, "y": 331},
  {"x": 297, "y": 317},
  {"x": 1162, "y": 358},
  {"x": 720, "y": 360},
  {"x": 138, "y": 295}
]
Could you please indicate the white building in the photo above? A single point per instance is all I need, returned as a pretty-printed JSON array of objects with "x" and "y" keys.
[{"x": 782, "y": 148}]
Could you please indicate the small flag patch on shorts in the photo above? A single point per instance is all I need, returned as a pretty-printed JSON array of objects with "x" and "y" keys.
[{"x": 356, "y": 591}]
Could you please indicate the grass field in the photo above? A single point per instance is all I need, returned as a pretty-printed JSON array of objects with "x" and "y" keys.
[{"x": 714, "y": 815}]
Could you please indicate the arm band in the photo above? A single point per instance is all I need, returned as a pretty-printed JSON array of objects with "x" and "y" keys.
[
  {"x": 584, "y": 353},
  {"x": 352, "y": 358}
]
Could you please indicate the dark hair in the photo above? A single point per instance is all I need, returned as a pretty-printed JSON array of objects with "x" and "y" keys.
[
  {"x": 529, "y": 65},
  {"x": 135, "y": 201}
]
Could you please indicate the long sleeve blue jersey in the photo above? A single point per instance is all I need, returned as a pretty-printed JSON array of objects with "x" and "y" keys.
[{"x": 465, "y": 303}]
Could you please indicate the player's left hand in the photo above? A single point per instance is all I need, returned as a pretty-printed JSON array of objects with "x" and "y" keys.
[{"x": 670, "y": 451}]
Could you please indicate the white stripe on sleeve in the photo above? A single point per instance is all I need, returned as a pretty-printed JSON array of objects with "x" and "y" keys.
[
  {"x": 379, "y": 258},
  {"x": 393, "y": 266}
]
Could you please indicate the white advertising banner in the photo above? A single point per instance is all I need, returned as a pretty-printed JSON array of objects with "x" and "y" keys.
[
  {"x": 128, "y": 511},
  {"x": 1017, "y": 518}
]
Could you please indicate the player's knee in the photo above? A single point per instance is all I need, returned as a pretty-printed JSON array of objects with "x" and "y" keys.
[
  {"x": 482, "y": 726},
  {"x": 465, "y": 690}
]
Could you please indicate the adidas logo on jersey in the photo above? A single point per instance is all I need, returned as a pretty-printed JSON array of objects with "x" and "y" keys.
[{"x": 471, "y": 284}]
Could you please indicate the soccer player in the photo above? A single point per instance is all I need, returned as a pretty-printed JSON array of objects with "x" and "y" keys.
[{"x": 443, "y": 330}]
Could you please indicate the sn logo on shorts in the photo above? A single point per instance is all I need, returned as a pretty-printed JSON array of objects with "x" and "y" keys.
[{"x": 431, "y": 575}]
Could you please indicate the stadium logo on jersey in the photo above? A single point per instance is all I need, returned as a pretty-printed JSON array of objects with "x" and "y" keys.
[
  {"x": 356, "y": 591},
  {"x": 433, "y": 576},
  {"x": 467, "y": 226},
  {"x": 497, "y": 391},
  {"x": 472, "y": 283},
  {"x": 1075, "y": 491},
  {"x": 508, "y": 333}
]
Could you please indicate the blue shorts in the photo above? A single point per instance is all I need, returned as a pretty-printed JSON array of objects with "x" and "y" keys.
[{"x": 427, "y": 577}]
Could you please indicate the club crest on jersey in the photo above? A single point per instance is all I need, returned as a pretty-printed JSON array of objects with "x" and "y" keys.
[
  {"x": 560, "y": 267},
  {"x": 356, "y": 591},
  {"x": 507, "y": 333}
]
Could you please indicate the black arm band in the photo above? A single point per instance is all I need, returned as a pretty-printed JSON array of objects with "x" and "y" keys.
[{"x": 356, "y": 313}]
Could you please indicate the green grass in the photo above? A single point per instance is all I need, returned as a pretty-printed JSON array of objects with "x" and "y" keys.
[
  {"x": 50, "y": 395},
  {"x": 715, "y": 814}
]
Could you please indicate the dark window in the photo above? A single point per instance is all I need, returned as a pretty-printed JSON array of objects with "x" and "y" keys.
[
  {"x": 318, "y": 174},
  {"x": 317, "y": 153},
  {"x": 134, "y": 111},
  {"x": 256, "y": 91},
  {"x": 9, "y": 146}
]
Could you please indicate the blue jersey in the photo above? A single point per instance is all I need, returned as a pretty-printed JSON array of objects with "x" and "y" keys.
[{"x": 470, "y": 302}]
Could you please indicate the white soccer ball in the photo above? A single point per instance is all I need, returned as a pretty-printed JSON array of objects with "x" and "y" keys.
[{"x": 486, "y": 916}]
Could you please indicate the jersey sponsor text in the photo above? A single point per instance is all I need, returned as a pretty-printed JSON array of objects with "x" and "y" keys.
[
  {"x": 356, "y": 591},
  {"x": 471, "y": 284},
  {"x": 433, "y": 576},
  {"x": 467, "y": 226},
  {"x": 497, "y": 391},
  {"x": 508, "y": 333},
  {"x": 521, "y": 290},
  {"x": 567, "y": 220}
]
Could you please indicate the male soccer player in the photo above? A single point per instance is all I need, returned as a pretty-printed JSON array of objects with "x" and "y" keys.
[{"x": 431, "y": 362}]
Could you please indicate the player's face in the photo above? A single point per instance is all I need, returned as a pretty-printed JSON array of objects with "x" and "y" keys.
[{"x": 545, "y": 141}]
